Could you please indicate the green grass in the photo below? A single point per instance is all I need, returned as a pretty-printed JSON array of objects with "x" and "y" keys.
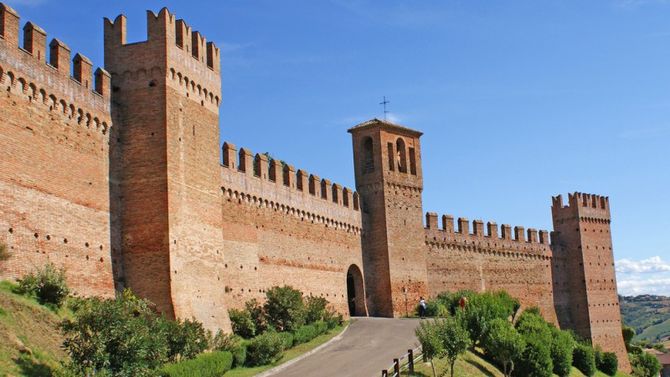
[
  {"x": 656, "y": 332},
  {"x": 472, "y": 365},
  {"x": 576, "y": 373},
  {"x": 468, "y": 365},
  {"x": 31, "y": 341},
  {"x": 288, "y": 355}
]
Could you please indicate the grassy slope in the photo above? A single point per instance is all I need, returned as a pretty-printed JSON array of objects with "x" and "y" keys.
[
  {"x": 648, "y": 315},
  {"x": 31, "y": 340},
  {"x": 288, "y": 355},
  {"x": 656, "y": 332},
  {"x": 471, "y": 365}
]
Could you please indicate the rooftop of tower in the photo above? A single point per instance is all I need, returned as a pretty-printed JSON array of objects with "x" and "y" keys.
[{"x": 374, "y": 122}]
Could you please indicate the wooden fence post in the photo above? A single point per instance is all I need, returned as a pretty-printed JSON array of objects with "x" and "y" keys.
[{"x": 410, "y": 365}]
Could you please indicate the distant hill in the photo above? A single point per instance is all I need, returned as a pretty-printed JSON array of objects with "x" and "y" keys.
[{"x": 649, "y": 315}]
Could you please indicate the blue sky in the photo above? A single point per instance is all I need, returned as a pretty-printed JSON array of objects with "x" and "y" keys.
[{"x": 518, "y": 100}]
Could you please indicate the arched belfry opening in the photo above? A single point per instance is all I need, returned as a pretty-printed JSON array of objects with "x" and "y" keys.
[
  {"x": 402, "y": 155},
  {"x": 368, "y": 156},
  {"x": 355, "y": 292}
]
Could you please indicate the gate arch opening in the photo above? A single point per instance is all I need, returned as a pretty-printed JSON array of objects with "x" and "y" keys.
[{"x": 355, "y": 292}]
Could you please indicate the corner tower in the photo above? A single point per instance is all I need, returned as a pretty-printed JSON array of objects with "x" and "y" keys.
[
  {"x": 585, "y": 290},
  {"x": 165, "y": 98},
  {"x": 387, "y": 160}
]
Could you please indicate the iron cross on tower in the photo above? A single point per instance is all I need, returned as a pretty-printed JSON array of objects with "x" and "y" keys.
[{"x": 384, "y": 103}]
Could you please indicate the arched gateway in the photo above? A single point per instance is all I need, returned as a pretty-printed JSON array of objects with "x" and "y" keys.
[{"x": 355, "y": 292}]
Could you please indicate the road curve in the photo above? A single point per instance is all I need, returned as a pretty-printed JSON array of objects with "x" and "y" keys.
[{"x": 367, "y": 347}]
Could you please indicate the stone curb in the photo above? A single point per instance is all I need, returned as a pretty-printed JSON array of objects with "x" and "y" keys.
[{"x": 285, "y": 365}]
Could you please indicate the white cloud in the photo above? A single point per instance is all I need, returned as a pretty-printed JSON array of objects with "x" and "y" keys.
[
  {"x": 646, "y": 276},
  {"x": 636, "y": 285},
  {"x": 650, "y": 265}
]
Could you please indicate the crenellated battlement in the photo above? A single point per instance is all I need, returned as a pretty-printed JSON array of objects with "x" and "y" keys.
[
  {"x": 165, "y": 32},
  {"x": 25, "y": 70},
  {"x": 516, "y": 234},
  {"x": 284, "y": 175},
  {"x": 583, "y": 206},
  {"x": 485, "y": 237}
]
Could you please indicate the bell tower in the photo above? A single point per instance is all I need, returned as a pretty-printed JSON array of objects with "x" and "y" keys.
[{"x": 387, "y": 161}]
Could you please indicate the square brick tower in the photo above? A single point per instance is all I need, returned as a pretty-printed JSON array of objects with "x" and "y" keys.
[
  {"x": 166, "y": 185},
  {"x": 585, "y": 290},
  {"x": 387, "y": 161}
]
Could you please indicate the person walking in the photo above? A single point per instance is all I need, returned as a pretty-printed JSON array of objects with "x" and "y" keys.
[{"x": 422, "y": 308}]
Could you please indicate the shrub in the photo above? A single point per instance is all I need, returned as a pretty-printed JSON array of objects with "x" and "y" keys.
[
  {"x": 562, "y": 347},
  {"x": 257, "y": 314},
  {"x": 47, "y": 284},
  {"x": 435, "y": 308},
  {"x": 536, "y": 358},
  {"x": 184, "y": 339},
  {"x": 243, "y": 324},
  {"x": 315, "y": 309},
  {"x": 645, "y": 365},
  {"x": 584, "y": 359},
  {"x": 284, "y": 308},
  {"x": 304, "y": 334},
  {"x": 333, "y": 319},
  {"x": 4, "y": 253},
  {"x": 504, "y": 344},
  {"x": 321, "y": 327},
  {"x": 212, "y": 364},
  {"x": 233, "y": 344},
  {"x": 264, "y": 349},
  {"x": 119, "y": 336},
  {"x": 287, "y": 340},
  {"x": 628, "y": 334},
  {"x": 608, "y": 363}
]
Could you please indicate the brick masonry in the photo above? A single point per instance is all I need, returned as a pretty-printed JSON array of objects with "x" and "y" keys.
[{"x": 119, "y": 178}]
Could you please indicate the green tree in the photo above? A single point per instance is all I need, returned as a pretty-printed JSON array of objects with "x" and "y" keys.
[
  {"x": 431, "y": 343},
  {"x": 242, "y": 323},
  {"x": 585, "y": 359},
  {"x": 185, "y": 339},
  {"x": 485, "y": 307},
  {"x": 284, "y": 308},
  {"x": 645, "y": 365},
  {"x": 455, "y": 339},
  {"x": 315, "y": 309},
  {"x": 121, "y": 337},
  {"x": 257, "y": 315},
  {"x": 628, "y": 334},
  {"x": 562, "y": 347},
  {"x": 608, "y": 363},
  {"x": 504, "y": 344},
  {"x": 536, "y": 359}
]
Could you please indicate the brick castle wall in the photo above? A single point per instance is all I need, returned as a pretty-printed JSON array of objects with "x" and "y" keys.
[
  {"x": 286, "y": 227},
  {"x": 54, "y": 176},
  {"x": 518, "y": 263},
  {"x": 147, "y": 204}
]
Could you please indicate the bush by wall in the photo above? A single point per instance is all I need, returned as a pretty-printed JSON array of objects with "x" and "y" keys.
[
  {"x": 233, "y": 344},
  {"x": 304, "y": 334},
  {"x": 284, "y": 308},
  {"x": 562, "y": 348},
  {"x": 213, "y": 364},
  {"x": 47, "y": 284},
  {"x": 264, "y": 349},
  {"x": 242, "y": 323},
  {"x": 584, "y": 359},
  {"x": 608, "y": 363},
  {"x": 287, "y": 340}
]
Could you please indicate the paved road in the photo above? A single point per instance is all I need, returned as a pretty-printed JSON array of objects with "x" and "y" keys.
[{"x": 367, "y": 347}]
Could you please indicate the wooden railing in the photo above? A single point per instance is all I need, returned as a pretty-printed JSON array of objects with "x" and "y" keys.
[{"x": 404, "y": 365}]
